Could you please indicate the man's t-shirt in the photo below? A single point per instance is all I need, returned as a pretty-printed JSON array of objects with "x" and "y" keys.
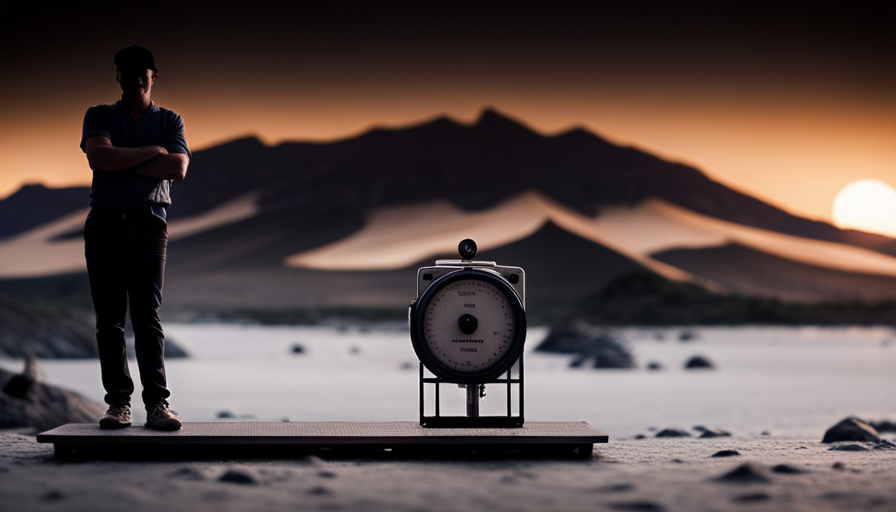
[{"x": 125, "y": 190}]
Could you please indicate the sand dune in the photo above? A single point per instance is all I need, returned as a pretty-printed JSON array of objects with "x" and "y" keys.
[
  {"x": 399, "y": 236},
  {"x": 34, "y": 253},
  {"x": 396, "y": 237}
]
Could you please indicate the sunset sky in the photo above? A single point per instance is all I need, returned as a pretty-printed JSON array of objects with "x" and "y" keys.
[{"x": 789, "y": 104}]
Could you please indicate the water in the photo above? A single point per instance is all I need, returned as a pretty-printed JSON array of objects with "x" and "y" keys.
[{"x": 792, "y": 382}]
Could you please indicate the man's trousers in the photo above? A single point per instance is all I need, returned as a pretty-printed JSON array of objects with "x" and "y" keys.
[{"x": 125, "y": 253}]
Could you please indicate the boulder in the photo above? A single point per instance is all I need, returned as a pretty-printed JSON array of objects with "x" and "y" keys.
[
  {"x": 53, "y": 333},
  {"x": 848, "y": 448},
  {"x": 47, "y": 333},
  {"x": 851, "y": 429},
  {"x": 746, "y": 474},
  {"x": 687, "y": 336},
  {"x": 239, "y": 476},
  {"x": 613, "y": 359},
  {"x": 26, "y": 401},
  {"x": 787, "y": 469},
  {"x": 698, "y": 362},
  {"x": 672, "y": 432},
  {"x": 883, "y": 426},
  {"x": 708, "y": 434},
  {"x": 587, "y": 342},
  {"x": 172, "y": 349}
]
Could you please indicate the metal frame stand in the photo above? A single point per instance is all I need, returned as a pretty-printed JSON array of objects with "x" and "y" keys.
[{"x": 473, "y": 420}]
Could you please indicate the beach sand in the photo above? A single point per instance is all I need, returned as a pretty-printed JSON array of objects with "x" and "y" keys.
[{"x": 654, "y": 474}]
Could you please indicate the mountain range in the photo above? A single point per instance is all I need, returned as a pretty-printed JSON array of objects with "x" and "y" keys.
[{"x": 345, "y": 224}]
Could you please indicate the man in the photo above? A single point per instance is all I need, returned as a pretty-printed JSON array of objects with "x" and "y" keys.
[{"x": 135, "y": 149}]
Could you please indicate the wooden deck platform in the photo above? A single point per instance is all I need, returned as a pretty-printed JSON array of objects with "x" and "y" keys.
[{"x": 347, "y": 438}]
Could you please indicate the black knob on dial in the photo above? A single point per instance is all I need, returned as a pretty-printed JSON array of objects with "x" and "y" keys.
[
  {"x": 467, "y": 249},
  {"x": 467, "y": 323}
]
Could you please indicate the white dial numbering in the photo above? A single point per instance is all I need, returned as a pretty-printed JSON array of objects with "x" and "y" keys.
[{"x": 481, "y": 348}]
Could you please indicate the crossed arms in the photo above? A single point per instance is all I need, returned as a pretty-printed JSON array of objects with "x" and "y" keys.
[{"x": 152, "y": 161}]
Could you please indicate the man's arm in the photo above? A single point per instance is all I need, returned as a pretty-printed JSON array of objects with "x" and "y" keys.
[
  {"x": 152, "y": 161},
  {"x": 104, "y": 157},
  {"x": 172, "y": 166}
]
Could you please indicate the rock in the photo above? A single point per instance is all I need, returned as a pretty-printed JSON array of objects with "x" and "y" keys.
[
  {"x": 188, "y": 473},
  {"x": 699, "y": 428},
  {"x": 851, "y": 429},
  {"x": 882, "y": 426},
  {"x": 648, "y": 506},
  {"x": 18, "y": 386},
  {"x": 839, "y": 466},
  {"x": 726, "y": 453},
  {"x": 752, "y": 497},
  {"x": 715, "y": 433},
  {"x": 687, "y": 336},
  {"x": 587, "y": 342},
  {"x": 640, "y": 436},
  {"x": 745, "y": 474},
  {"x": 653, "y": 365},
  {"x": 765, "y": 433},
  {"x": 27, "y": 402},
  {"x": 885, "y": 445},
  {"x": 32, "y": 369},
  {"x": 849, "y": 448},
  {"x": 298, "y": 349},
  {"x": 617, "y": 488},
  {"x": 698, "y": 362},
  {"x": 238, "y": 476},
  {"x": 613, "y": 360},
  {"x": 787, "y": 469},
  {"x": 44, "y": 332},
  {"x": 326, "y": 474},
  {"x": 225, "y": 414},
  {"x": 53, "y": 495},
  {"x": 172, "y": 349},
  {"x": 672, "y": 432},
  {"x": 319, "y": 490},
  {"x": 579, "y": 361}
]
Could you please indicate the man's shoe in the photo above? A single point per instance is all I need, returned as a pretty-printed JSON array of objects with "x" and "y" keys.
[
  {"x": 160, "y": 417},
  {"x": 118, "y": 416}
]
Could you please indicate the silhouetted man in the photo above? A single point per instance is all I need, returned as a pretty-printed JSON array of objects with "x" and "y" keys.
[{"x": 135, "y": 149}]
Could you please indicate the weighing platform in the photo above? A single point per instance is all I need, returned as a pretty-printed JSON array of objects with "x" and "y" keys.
[{"x": 349, "y": 439}]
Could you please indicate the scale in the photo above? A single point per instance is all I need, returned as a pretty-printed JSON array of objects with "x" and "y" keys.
[{"x": 468, "y": 327}]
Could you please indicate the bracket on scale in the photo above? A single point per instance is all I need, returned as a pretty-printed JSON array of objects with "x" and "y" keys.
[{"x": 473, "y": 419}]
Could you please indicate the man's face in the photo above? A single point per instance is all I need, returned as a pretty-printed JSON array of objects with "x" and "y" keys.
[{"x": 135, "y": 82}]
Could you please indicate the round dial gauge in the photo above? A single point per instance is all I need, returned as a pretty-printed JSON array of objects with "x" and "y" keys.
[{"x": 468, "y": 327}]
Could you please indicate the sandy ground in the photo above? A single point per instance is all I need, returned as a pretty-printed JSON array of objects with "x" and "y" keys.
[{"x": 649, "y": 474}]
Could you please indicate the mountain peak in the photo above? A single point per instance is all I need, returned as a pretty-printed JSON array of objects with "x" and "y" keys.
[{"x": 492, "y": 120}]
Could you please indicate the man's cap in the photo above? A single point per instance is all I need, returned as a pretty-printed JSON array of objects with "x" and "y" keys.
[{"x": 135, "y": 57}]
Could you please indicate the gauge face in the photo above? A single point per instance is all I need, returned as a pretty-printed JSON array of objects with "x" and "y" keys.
[{"x": 469, "y": 326}]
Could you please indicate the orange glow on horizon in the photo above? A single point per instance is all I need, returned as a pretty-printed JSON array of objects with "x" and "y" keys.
[{"x": 797, "y": 159}]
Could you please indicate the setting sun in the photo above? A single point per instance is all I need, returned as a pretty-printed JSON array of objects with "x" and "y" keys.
[{"x": 866, "y": 205}]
